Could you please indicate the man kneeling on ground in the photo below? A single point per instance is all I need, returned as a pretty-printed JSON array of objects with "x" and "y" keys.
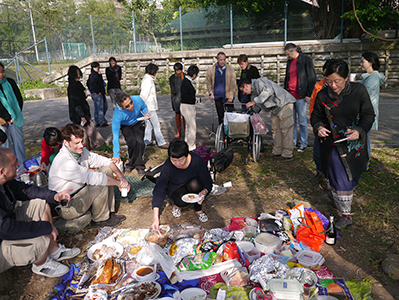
[
  {"x": 271, "y": 97},
  {"x": 91, "y": 190},
  {"x": 27, "y": 234}
]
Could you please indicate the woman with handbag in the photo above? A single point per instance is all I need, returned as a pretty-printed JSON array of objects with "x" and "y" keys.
[{"x": 79, "y": 109}]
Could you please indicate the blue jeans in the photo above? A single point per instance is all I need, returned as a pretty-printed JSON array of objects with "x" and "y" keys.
[
  {"x": 17, "y": 146},
  {"x": 317, "y": 154},
  {"x": 300, "y": 110},
  {"x": 100, "y": 108},
  {"x": 153, "y": 123}
]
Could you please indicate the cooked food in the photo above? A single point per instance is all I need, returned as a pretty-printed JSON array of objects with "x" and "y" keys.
[
  {"x": 108, "y": 272},
  {"x": 145, "y": 290},
  {"x": 191, "y": 197},
  {"x": 134, "y": 250},
  {"x": 104, "y": 251}
]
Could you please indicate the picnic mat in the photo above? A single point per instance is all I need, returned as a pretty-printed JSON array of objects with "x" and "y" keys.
[{"x": 138, "y": 188}]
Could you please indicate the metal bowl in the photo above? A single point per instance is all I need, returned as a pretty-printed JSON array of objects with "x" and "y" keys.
[{"x": 303, "y": 275}]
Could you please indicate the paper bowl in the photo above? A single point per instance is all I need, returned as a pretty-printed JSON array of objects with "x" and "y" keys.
[{"x": 145, "y": 273}]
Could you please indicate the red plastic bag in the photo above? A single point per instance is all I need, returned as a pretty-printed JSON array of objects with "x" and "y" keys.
[
  {"x": 258, "y": 124},
  {"x": 311, "y": 232}
]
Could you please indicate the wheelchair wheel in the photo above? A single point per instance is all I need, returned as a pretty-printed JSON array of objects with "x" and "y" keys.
[
  {"x": 256, "y": 143},
  {"x": 219, "y": 138}
]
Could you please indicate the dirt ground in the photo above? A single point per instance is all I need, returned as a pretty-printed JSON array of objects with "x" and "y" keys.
[{"x": 265, "y": 186}]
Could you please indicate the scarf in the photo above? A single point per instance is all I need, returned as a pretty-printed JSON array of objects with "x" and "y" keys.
[
  {"x": 10, "y": 103},
  {"x": 220, "y": 69},
  {"x": 181, "y": 75},
  {"x": 115, "y": 70}
]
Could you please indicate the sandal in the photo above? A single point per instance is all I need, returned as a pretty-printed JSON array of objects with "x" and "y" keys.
[
  {"x": 176, "y": 212},
  {"x": 202, "y": 217}
]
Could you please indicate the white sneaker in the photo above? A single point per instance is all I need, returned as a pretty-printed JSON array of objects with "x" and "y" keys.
[
  {"x": 50, "y": 268},
  {"x": 63, "y": 253}
]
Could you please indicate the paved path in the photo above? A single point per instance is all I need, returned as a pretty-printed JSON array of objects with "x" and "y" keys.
[{"x": 40, "y": 114}]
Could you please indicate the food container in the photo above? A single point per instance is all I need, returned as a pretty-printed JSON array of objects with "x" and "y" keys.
[
  {"x": 145, "y": 273},
  {"x": 156, "y": 238},
  {"x": 248, "y": 250},
  {"x": 266, "y": 242},
  {"x": 310, "y": 259},
  {"x": 287, "y": 289}
]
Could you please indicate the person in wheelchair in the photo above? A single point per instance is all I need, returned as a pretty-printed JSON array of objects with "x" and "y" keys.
[
  {"x": 183, "y": 172},
  {"x": 271, "y": 97}
]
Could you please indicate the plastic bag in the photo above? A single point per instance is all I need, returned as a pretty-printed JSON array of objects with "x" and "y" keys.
[
  {"x": 205, "y": 152},
  {"x": 360, "y": 290},
  {"x": 258, "y": 124},
  {"x": 311, "y": 232},
  {"x": 233, "y": 292}
]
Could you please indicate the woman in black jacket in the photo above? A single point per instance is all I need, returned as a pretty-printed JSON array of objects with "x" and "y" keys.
[
  {"x": 248, "y": 71},
  {"x": 79, "y": 109},
  {"x": 11, "y": 119},
  {"x": 95, "y": 83},
  {"x": 341, "y": 118}
]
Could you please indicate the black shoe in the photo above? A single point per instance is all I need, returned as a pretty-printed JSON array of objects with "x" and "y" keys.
[
  {"x": 141, "y": 172},
  {"x": 104, "y": 125},
  {"x": 301, "y": 149},
  {"x": 98, "y": 125},
  {"x": 120, "y": 217},
  {"x": 113, "y": 221},
  {"x": 128, "y": 169},
  {"x": 283, "y": 159},
  {"x": 317, "y": 178}
]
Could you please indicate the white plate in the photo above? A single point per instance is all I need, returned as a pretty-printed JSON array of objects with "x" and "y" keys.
[
  {"x": 186, "y": 199},
  {"x": 117, "y": 253},
  {"x": 193, "y": 294},
  {"x": 157, "y": 286},
  {"x": 143, "y": 118}
]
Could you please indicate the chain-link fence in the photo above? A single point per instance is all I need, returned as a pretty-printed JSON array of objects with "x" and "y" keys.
[{"x": 76, "y": 36}]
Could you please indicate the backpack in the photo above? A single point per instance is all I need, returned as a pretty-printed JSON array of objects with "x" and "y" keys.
[
  {"x": 223, "y": 159},
  {"x": 153, "y": 174},
  {"x": 311, "y": 232}
]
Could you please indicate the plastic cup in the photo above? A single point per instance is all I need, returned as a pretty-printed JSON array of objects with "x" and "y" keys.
[
  {"x": 124, "y": 192},
  {"x": 352, "y": 77},
  {"x": 25, "y": 178}
]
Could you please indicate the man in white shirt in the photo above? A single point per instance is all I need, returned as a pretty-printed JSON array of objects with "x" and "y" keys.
[{"x": 90, "y": 190}]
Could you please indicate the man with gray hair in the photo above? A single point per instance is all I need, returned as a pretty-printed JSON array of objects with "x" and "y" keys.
[
  {"x": 27, "y": 234},
  {"x": 221, "y": 82},
  {"x": 272, "y": 98}
]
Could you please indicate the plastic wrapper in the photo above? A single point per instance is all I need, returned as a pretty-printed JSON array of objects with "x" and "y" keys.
[
  {"x": 104, "y": 233},
  {"x": 182, "y": 248},
  {"x": 207, "y": 246},
  {"x": 296, "y": 214},
  {"x": 230, "y": 251},
  {"x": 235, "y": 276},
  {"x": 270, "y": 226},
  {"x": 265, "y": 268},
  {"x": 185, "y": 230},
  {"x": 102, "y": 275},
  {"x": 200, "y": 261},
  {"x": 218, "y": 235}
]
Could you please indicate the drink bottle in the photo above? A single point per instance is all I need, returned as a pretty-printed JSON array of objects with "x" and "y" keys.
[{"x": 331, "y": 232}]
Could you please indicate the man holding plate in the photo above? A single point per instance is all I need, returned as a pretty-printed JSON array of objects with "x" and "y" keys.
[{"x": 183, "y": 174}]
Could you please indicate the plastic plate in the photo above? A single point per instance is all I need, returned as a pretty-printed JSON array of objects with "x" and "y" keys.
[
  {"x": 142, "y": 118},
  {"x": 193, "y": 294},
  {"x": 191, "y": 198},
  {"x": 116, "y": 254}
]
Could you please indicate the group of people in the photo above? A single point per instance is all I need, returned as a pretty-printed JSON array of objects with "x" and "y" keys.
[{"x": 341, "y": 114}]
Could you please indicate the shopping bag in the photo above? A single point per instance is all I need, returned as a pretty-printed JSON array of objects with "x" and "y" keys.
[
  {"x": 311, "y": 232},
  {"x": 258, "y": 125}
]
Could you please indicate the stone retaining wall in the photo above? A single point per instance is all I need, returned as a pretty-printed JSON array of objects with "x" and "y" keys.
[{"x": 270, "y": 60}]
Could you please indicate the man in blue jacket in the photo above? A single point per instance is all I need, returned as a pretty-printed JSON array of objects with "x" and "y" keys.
[
  {"x": 27, "y": 234},
  {"x": 128, "y": 117}
]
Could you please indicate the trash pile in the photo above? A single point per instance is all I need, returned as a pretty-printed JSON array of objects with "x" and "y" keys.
[{"x": 273, "y": 256}]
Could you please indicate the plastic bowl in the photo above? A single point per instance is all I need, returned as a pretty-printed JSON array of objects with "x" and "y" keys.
[{"x": 156, "y": 238}]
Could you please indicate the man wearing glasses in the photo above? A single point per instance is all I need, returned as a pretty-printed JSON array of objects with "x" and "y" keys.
[{"x": 127, "y": 117}]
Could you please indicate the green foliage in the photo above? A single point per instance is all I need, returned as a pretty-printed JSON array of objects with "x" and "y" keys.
[
  {"x": 375, "y": 15},
  {"x": 163, "y": 82},
  {"x": 104, "y": 8},
  {"x": 32, "y": 85}
]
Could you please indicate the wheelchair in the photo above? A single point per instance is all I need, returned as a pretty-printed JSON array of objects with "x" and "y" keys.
[{"x": 238, "y": 127}]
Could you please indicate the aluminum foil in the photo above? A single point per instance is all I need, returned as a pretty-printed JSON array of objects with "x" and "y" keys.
[
  {"x": 218, "y": 235},
  {"x": 183, "y": 248},
  {"x": 265, "y": 268}
]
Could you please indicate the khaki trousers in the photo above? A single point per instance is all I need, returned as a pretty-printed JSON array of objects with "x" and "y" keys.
[
  {"x": 28, "y": 251},
  {"x": 100, "y": 200},
  {"x": 282, "y": 130},
  {"x": 189, "y": 113}
]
